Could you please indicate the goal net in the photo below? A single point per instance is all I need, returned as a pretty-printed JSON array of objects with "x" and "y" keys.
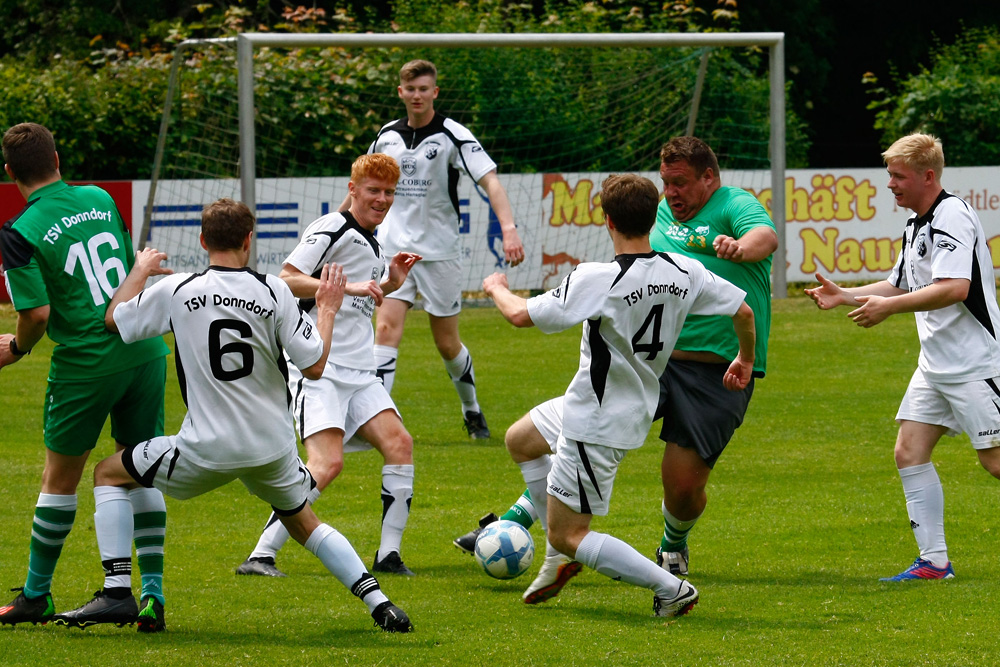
[{"x": 557, "y": 113}]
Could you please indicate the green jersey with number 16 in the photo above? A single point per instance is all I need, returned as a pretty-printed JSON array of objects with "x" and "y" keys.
[{"x": 69, "y": 249}]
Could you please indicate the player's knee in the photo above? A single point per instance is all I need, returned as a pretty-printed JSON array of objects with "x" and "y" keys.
[
  {"x": 326, "y": 470},
  {"x": 398, "y": 449},
  {"x": 990, "y": 460}
]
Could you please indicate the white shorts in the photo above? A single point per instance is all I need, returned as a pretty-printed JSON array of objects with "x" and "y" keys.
[
  {"x": 344, "y": 398},
  {"x": 547, "y": 418},
  {"x": 439, "y": 283},
  {"x": 158, "y": 463},
  {"x": 583, "y": 476},
  {"x": 972, "y": 407}
]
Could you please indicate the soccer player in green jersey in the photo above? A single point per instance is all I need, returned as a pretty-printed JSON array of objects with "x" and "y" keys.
[{"x": 64, "y": 255}]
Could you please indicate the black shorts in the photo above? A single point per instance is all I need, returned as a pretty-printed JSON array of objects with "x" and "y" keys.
[{"x": 697, "y": 410}]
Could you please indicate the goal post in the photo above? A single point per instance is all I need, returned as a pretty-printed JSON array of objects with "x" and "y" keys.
[{"x": 245, "y": 180}]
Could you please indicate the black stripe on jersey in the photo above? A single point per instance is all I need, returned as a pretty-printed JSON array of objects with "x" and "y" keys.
[
  {"x": 670, "y": 260},
  {"x": 600, "y": 359},
  {"x": 301, "y": 407},
  {"x": 16, "y": 250},
  {"x": 975, "y": 301},
  {"x": 178, "y": 363}
]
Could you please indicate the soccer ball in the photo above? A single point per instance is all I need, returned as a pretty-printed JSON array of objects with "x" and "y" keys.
[{"x": 505, "y": 549}]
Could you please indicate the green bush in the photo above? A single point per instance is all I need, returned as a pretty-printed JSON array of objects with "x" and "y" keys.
[{"x": 956, "y": 99}]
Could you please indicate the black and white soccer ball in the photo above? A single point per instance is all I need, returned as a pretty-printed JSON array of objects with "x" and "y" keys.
[{"x": 505, "y": 549}]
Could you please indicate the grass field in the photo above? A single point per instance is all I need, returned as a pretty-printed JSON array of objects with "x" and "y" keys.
[{"x": 805, "y": 513}]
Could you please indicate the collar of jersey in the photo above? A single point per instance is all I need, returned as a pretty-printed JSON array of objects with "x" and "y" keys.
[{"x": 49, "y": 189}]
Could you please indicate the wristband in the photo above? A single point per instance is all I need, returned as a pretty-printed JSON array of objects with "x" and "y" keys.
[{"x": 14, "y": 349}]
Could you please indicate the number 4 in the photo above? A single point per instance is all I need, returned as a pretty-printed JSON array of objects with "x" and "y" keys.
[{"x": 655, "y": 345}]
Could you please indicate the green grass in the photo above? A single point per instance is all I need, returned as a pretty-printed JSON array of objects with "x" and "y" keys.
[{"x": 805, "y": 513}]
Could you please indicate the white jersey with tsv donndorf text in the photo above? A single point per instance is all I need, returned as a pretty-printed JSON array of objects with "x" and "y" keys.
[
  {"x": 230, "y": 328},
  {"x": 632, "y": 309},
  {"x": 338, "y": 238},
  {"x": 424, "y": 217},
  {"x": 958, "y": 343}
]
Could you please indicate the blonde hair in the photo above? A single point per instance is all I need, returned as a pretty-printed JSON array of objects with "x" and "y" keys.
[
  {"x": 918, "y": 152},
  {"x": 378, "y": 166}
]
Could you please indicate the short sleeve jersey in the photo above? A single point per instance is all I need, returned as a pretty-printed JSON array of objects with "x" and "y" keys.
[
  {"x": 230, "y": 328},
  {"x": 337, "y": 237},
  {"x": 424, "y": 217},
  {"x": 957, "y": 343},
  {"x": 730, "y": 212},
  {"x": 632, "y": 310},
  {"x": 69, "y": 249}
]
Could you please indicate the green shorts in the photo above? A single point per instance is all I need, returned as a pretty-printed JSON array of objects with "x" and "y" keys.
[{"x": 75, "y": 411}]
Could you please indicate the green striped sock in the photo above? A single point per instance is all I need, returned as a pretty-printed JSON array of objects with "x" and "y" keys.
[
  {"x": 54, "y": 516},
  {"x": 150, "y": 521},
  {"x": 522, "y": 512},
  {"x": 675, "y": 532}
]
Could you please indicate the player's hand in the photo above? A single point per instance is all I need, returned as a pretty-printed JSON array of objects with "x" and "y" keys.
[
  {"x": 365, "y": 289},
  {"x": 874, "y": 309},
  {"x": 492, "y": 282},
  {"x": 148, "y": 260},
  {"x": 828, "y": 295},
  {"x": 513, "y": 249},
  {"x": 330, "y": 292},
  {"x": 399, "y": 268},
  {"x": 739, "y": 374},
  {"x": 726, "y": 247},
  {"x": 6, "y": 356}
]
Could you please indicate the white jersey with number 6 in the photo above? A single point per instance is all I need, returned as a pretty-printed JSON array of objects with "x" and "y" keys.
[
  {"x": 632, "y": 309},
  {"x": 230, "y": 328}
]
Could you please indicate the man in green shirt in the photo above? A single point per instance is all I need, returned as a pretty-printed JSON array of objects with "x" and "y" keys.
[
  {"x": 729, "y": 231},
  {"x": 64, "y": 255}
]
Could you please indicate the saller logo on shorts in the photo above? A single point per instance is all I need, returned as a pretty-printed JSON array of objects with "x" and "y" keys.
[{"x": 992, "y": 431}]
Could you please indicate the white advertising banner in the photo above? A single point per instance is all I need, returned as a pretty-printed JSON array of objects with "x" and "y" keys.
[{"x": 841, "y": 223}]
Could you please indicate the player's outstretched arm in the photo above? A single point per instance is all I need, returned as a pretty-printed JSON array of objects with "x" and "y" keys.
[
  {"x": 31, "y": 325},
  {"x": 399, "y": 268},
  {"x": 329, "y": 297},
  {"x": 147, "y": 263},
  {"x": 511, "y": 306},
  {"x": 741, "y": 370},
  {"x": 939, "y": 294},
  {"x": 513, "y": 249}
]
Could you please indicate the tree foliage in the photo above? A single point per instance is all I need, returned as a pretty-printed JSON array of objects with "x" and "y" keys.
[
  {"x": 102, "y": 94},
  {"x": 956, "y": 99}
]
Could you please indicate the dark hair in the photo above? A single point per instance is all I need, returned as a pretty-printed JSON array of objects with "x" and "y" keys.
[
  {"x": 630, "y": 201},
  {"x": 225, "y": 224},
  {"x": 415, "y": 68},
  {"x": 692, "y": 150},
  {"x": 30, "y": 151}
]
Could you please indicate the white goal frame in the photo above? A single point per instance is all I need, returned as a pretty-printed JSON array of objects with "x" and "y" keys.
[{"x": 246, "y": 43}]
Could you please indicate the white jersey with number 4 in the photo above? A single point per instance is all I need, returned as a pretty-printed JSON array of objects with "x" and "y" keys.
[
  {"x": 957, "y": 343},
  {"x": 337, "y": 237},
  {"x": 633, "y": 309},
  {"x": 230, "y": 329},
  {"x": 424, "y": 217}
]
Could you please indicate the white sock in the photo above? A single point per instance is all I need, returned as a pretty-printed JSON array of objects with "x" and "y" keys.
[
  {"x": 274, "y": 535},
  {"x": 385, "y": 365},
  {"x": 337, "y": 554},
  {"x": 617, "y": 560},
  {"x": 464, "y": 377},
  {"x": 397, "y": 492},
  {"x": 113, "y": 525},
  {"x": 925, "y": 506},
  {"x": 535, "y": 473}
]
